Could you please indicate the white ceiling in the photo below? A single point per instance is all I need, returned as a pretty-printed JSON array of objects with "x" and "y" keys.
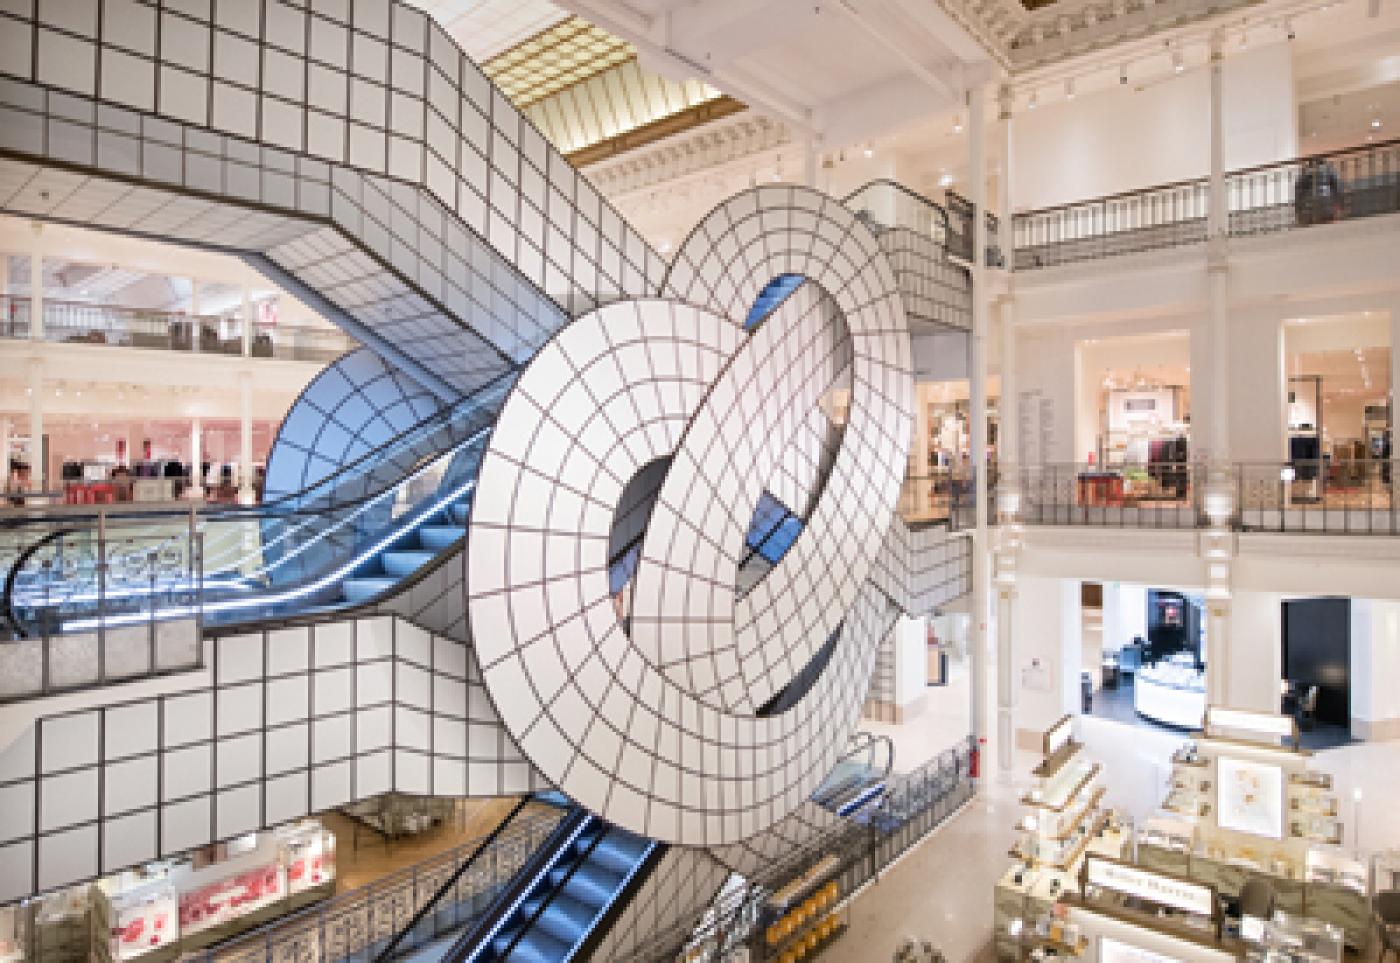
[
  {"x": 486, "y": 27},
  {"x": 840, "y": 70}
]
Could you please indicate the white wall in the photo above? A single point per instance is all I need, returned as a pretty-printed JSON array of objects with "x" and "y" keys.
[
  {"x": 1126, "y": 138},
  {"x": 1049, "y": 639},
  {"x": 1256, "y": 650},
  {"x": 1375, "y": 665},
  {"x": 1126, "y": 603}
]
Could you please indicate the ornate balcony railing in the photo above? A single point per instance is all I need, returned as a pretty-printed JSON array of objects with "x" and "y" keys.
[
  {"x": 1325, "y": 496},
  {"x": 76, "y": 322},
  {"x": 1319, "y": 189}
]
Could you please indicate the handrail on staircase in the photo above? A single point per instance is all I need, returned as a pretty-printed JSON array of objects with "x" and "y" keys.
[{"x": 430, "y": 904}]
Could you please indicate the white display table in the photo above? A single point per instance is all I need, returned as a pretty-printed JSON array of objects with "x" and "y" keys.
[{"x": 1172, "y": 694}]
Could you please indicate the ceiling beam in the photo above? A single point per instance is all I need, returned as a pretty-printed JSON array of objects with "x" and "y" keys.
[
  {"x": 940, "y": 85},
  {"x": 650, "y": 36}
]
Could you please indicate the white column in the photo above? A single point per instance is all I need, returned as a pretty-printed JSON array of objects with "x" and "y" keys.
[
  {"x": 194, "y": 314},
  {"x": 1009, "y": 442},
  {"x": 977, "y": 177},
  {"x": 247, "y": 324},
  {"x": 809, "y": 162},
  {"x": 5, "y": 447},
  {"x": 36, "y": 285},
  {"x": 37, "y": 468},
  {"x": 245, "y": 438},
  {"x": 1218, "y": 267},
  {"x": 196, "y": 489}
]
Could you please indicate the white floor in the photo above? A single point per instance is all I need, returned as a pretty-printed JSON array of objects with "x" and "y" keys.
[{"x": 946, "y": 721}]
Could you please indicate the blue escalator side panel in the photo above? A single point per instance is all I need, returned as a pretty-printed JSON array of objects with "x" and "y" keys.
[
  {"x": 773, "y": 529},
  {"x": 774, "y": 293}
]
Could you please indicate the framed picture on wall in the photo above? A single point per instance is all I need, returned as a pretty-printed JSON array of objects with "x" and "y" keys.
[{"x": 1249, "y": 797}]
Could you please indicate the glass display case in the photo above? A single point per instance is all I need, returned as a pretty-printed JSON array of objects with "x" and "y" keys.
[{"x": 1288, "y": 938}]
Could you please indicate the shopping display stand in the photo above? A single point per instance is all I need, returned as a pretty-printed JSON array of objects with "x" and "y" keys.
[
  {"x": 173, "y": 908},
  {"x": 806, "y": 915},
  {"x": 1242, "y": 802},
  {"x": 1064, "y": 821}
]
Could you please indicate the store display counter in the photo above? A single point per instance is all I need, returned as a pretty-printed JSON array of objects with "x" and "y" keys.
[{"x": 1172, "y": 694}]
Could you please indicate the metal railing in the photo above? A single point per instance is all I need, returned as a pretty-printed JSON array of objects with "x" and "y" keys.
[
  {"x": 914, "y": 805},
  {"x": 76, "y": 322},
  {"x": 1324, "y": 496},
  {"x": 1319, "y": 189},
  {"x": 360, "y": 924},
  {"x": 88, "y": 607},
  {"x": 887, "y": 204},
  {"x": 943, "y": 495},
  {"x": 960, "y": 229}
]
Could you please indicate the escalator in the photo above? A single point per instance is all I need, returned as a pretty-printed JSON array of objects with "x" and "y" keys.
[
  {"x": 560, "y": 903},
  {"x": 345, "y": 540},
  {"x": 859, "y": 779}
]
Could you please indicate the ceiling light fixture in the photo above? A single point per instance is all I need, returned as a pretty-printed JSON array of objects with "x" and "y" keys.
[
  {"x": 1030, "y": 104},
  {"x": 1375, "y": 123},
  {"x": 945, "y": 179},
  {"x": 957, "y": 124},
  {"x": 869, "y": 151},
  {"x": 1069, "y": 89},
  {"x": 1178, "y": 61}
]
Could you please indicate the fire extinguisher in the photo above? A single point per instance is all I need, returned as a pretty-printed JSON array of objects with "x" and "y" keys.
[{"x": 974, "y": 759}]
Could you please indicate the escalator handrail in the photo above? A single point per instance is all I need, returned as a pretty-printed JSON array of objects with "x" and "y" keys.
[
  {"x": 469, "y": 945},
  {"x": 394, "y": 528},
  {"x": 9, "y": 601},
  {"x": 452, "y": 879}
]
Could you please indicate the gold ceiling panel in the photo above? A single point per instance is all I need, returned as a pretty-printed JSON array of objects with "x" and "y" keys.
[{"x": 555, "y": 59}]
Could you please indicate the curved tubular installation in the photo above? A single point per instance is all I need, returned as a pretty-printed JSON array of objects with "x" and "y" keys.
[
  {"x": 659, "y": 732},
  {"x": 353, "y": 153}
]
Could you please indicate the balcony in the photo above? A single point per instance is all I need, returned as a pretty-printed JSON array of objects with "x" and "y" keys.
[
  {"x": 75, "y": 322},
  {"x": 1327, "y": 497},
  {"x": 1321, "y": 189}
]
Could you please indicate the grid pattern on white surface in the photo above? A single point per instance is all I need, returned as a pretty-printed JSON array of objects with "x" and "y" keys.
[
  {"x": 936, "y": 290},
  {"x": 296, "y": 720},
  {"x": 405, "y": 187},
  {"x": 675, "y": 895},
  {"x": 780, "y": 840},
  {"x": 649, "y": 749},
  {"x": 355, "y": 405}
]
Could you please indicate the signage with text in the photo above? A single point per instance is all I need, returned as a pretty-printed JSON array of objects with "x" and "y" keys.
[{"x": 1144, "y": 884}]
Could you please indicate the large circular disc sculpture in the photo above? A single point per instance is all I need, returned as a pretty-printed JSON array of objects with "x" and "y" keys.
[{"x": 657, "y": 727}]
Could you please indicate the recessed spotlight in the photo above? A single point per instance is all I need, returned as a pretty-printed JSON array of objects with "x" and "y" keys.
[
  {"x": 1178, "y": 61},
  {"x": 945, "y": 179},
  {"x": 957, "y": 124},
  {"x": 1030, "y": 104},
  {"x": 869, "y": 151},
  {"x": 1375, "y": 123}
]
